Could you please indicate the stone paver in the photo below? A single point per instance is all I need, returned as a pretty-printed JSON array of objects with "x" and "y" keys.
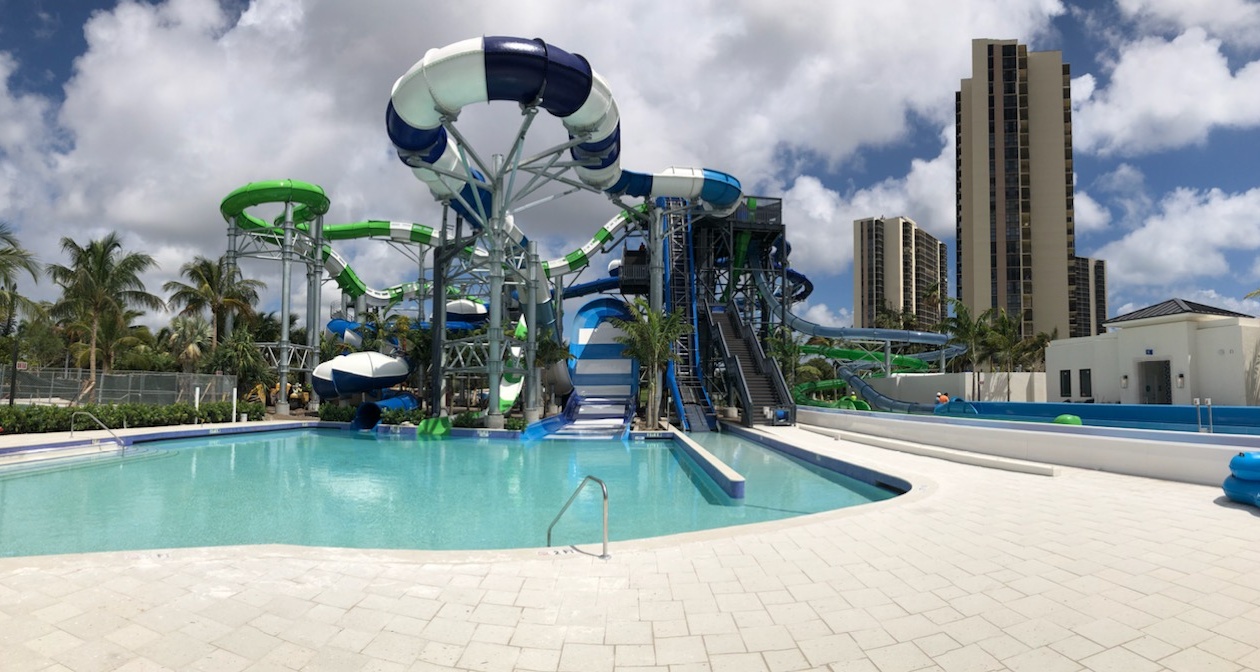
[{"x": 974, "y": 569}]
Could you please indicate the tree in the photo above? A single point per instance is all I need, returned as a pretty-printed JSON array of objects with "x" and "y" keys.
[
  {"x": 550, "y": 352},
  {"x": 968, "y": 332},
  {"x": 212, "y": 285},
  {"x": 190, "y": 334},
  {"x": 239, "y": 356},
  {"x": 1034, "y": 354},
  {"x": 1002, "y": 344},
  {"x": 42, "y": 342},
  {"x": 265, "y": 328},
  {"x": 934, "y": 297},
  {"x": 118, "y": 336},
  {"x": 14, "y": 260},
  {"x": 785, "y": 349},
  {"x": 649, "y": 336},
  {"x": 102, "y": 281}
]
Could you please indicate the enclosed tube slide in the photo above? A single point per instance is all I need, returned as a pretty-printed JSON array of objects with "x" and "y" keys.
[
  {"x": 851, "y": 333},
  {"x": 873, "y": 396},
  {"x": 528, "y": 72}
]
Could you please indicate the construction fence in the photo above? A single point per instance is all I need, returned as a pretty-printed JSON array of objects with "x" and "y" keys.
[{"x": 56, "y": 386}]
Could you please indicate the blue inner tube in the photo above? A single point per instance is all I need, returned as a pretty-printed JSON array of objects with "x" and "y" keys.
[{"x": 1246, "y": 466}]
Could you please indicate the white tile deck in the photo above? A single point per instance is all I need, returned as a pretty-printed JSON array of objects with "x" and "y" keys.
[{"x": 975, "y": 569}]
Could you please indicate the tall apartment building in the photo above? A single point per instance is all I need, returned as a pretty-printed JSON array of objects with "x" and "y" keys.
[
  {"x": 895, "y": 265},
  {"x": 1016, "y": 245}
]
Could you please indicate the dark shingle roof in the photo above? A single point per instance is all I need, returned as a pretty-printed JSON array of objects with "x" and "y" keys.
[{"x": 1173, "y": 307}]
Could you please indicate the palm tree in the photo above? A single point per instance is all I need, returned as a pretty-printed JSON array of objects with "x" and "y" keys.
[
  {"x": 1034, "y": 351},
  {"x": 785, "y": 350},
  {"x": 239, "y": 356},
  {"x": 550, "y": 352},
  {"x": 118, "y": 335},
  {"x": 934, "y": 297},
  {"x": 1002, "y": 344},
  {"x": 101, "y": 282},
  {"x": 966, "y": 331},
  {"x": 14, "y": 260},
  {"x": 649, "y": 336},
  {"x": 212, "y": 286},
  {"x": 190, "y": 334}
]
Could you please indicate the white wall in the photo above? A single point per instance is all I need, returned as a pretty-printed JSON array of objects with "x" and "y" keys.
[
  {"x": 1218, "y": 357},
  {"x": 1198, "y": 458},
  {"x": 922, "y": 387},
  {"x": 1098, "y": 355}
]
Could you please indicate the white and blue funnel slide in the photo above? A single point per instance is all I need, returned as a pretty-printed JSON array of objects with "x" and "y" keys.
[{"x": 527, "y": 72}]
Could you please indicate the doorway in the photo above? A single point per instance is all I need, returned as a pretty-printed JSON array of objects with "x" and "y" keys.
[{"x": 1155, "y": 381}]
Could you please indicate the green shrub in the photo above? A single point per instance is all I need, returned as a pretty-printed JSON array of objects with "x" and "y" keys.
[
  {"x": 38, "y": 419},
  {"x": 468, "y": 419},
  {"x": 516, "y": 424},
  {"x": 333, "y": 413}
]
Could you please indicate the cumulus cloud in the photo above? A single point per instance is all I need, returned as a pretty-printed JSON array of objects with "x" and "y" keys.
[
  {"x": 821, "y": 313},
  {"x": 1231, "y": 20},
  {"x": 1091, "y": 216},
  {"x": 824, "y": 217},
  {"x": 1190, "y": 236},
  {"x": 1166, "y": 94},
  {"x": 1124, "y": 188}
]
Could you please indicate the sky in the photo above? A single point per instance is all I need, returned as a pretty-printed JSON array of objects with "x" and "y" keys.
[{"x": 140, "y": 116}]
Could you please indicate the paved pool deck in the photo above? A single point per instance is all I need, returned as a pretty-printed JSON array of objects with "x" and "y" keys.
[{"x": 974, "y": 569}]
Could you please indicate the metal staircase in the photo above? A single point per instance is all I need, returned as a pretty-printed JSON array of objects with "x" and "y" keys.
[
  {"x": 764, "y": 399},
  {"x": 697, "y": 411}
]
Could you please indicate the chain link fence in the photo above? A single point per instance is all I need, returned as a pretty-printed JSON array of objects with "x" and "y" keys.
[{"x": 63, "y": 387}]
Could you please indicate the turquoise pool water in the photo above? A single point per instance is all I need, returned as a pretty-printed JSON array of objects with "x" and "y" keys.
[{"x": 331, "y": 488}]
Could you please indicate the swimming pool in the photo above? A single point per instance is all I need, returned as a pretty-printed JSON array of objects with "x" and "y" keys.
[{"x": 335, "y": 488}]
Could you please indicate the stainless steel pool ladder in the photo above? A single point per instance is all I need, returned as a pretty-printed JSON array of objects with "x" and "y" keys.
[
  {"x": 604, "y": 488},
  {"x": 121, "y": 445}
]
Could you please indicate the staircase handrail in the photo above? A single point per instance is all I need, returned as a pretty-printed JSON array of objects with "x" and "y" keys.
[
  {"x": 766, "y": 365},
  {"x": 732, "y": 365}
]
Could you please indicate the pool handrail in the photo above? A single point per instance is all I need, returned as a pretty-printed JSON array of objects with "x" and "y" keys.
[
  {"x": 604, "y": 488},
  {"x": 121, "y": 446}
]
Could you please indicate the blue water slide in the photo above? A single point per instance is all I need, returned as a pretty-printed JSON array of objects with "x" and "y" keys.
[
  {"x": 608, "y": 284},
  {"x": 852, "y": 375},
  {"x": 852, "y": 333},
  {"x": 369, "y": 412},
  {"x": 527, "y": 72}
]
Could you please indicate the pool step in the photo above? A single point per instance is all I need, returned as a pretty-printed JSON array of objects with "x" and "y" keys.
[
  {"x": 76, "y": 457},
  {"x": 599, "y": 418}
]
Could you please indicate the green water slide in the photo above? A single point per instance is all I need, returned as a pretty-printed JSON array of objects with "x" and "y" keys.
[
  {"x": 801, "y": 392},
  {"x": 310, "y": 201}
]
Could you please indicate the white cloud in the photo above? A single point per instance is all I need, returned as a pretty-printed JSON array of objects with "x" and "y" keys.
[
  {"x": 1231, "y": 20},
  {"x": 1167, "y": 94},
  {"x": 1125, "y": 188},
  {"x": 822, "y": 218},
  {"x": 1188, "y": 237},
  {"x": 821, "y": 313},
  {"x": 1091, "y": 216}
]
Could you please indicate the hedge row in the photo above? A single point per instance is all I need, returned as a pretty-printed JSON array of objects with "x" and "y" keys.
[
  {"x": 395, "y": 416},
  {"x": 36, "y": 419}
]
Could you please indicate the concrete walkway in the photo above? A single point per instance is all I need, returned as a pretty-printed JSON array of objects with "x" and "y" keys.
[{"x": 975, "y": 569}]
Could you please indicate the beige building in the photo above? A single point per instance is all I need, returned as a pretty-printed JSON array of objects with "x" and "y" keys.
[
  {"x": 1016, "y": 246},
  {"x": 896, "y": 265}
]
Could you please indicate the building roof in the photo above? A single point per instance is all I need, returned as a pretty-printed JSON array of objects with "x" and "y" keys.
[{"x": 1173, "y": 307}]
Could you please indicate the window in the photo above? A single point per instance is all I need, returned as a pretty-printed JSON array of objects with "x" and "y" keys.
[
  {"x": 1065, "y": 383},
  {"x": 1087, "y": 383}
]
